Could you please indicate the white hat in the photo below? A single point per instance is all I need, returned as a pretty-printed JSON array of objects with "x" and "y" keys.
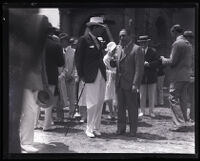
[
  {"x": 110, "y": 46},
  {"x": 96, "y": 21}
]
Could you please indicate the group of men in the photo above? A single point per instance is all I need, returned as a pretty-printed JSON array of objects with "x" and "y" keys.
[
  {"x": 91, "y": 66},
  {"x": 90, "y": 60}
]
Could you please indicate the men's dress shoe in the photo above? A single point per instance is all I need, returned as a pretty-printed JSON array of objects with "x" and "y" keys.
[
  {"x": 97, "y": 133},
  {"x": 28, "y": 148},
  {"x": 52, "y": 128},
  {"x": 90, "y": 134},
  {"x": 132, "y": 134},
  {"x": 120, "y": 132},
  {"x": 179, "y": 129},
  {"x": 152, "y": 115},
  {"x": 140, "y": 114}
]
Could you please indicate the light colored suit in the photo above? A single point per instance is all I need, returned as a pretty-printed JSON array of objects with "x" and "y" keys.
[{"x": 181, "y": 62}]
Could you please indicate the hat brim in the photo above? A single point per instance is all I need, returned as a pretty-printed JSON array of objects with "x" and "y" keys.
[
  {"x": 95, "y": 24},
  {"x": 143, "y": 40}
]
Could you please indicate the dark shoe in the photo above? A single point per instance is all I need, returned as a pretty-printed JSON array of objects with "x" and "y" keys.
[
  {"x": 52, "y": 128},
  {"x": 179, "y": 129},
  {"x": 120, "y": 132},
  {"x": 132, "y": 134}
]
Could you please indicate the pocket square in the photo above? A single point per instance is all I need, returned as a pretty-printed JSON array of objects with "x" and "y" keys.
[{"x": 92, "y": 46}]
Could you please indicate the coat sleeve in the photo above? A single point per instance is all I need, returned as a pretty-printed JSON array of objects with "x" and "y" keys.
[
  {"x": 79, "y": 56},
  {"x": 156, "y": 60},
  {"x": 61, "y": 61},
  {"x": 139, "y": 66},
  {"x": 174, "y": 56}
]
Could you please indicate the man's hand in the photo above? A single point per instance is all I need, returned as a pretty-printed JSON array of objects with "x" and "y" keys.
[
  {"x": 134, "y": 88},
  {"x": 163, "y": 59},
  {"x": 146, "y": 63}
]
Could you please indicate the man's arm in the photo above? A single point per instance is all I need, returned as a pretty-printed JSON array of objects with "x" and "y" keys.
[
  {"x": 139, "y": 67},
  {"x": 174, "y": 56},
  {"x": 79, "y": 56}
]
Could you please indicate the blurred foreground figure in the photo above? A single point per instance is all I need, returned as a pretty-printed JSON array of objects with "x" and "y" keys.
[{"x": 27, "y": 35}]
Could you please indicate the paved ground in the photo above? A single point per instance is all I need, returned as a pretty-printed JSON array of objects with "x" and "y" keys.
[{"x": 153, "y": 136}]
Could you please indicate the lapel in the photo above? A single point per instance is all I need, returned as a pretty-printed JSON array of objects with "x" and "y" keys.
[
  {"x": 94, "y": 41},
  {"x": 126, "y": 51}
]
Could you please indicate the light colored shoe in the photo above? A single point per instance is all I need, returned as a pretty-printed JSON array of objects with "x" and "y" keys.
[
  {"x": 90, "y": 134},
  {"x": 152, "y": 115},
  {"x": 97, "y": 133},
  {"x": 140, "y": 114},
  {"x": 28, "y": 148}
]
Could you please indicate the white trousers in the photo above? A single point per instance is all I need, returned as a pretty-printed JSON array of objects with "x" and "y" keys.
[
  {"x": 159, "y": 98},
  {"x": 147, "y": 90},
  {"x": 48, "y": 119},
  {"x": 29, "y": 112},
  {"x": 95, "y": 93}
]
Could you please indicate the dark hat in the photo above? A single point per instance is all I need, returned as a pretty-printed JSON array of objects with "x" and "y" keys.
[
  {"x": 63, "y": 36},
  {"x": 99, "y": 21},
  {"x": 177, "y": 28},
  {"x": 188, "y": 34},
  {"x": 143, "y": 38}
]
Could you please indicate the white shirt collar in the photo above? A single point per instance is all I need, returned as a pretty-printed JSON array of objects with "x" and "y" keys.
[{"x": 179, "y": 37}]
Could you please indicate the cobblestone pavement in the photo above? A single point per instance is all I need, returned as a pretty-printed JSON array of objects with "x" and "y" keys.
[{"x": 153, "y": 136}]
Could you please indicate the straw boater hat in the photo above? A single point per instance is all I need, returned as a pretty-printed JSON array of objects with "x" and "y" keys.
[
  {"x": 143, "y": 38},
  {"x": 96, "y": 21}
]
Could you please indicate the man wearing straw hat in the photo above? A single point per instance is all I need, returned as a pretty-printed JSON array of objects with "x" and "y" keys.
[
  {"x": 92, "y": 71},
  {"x": 149, "y": 79}
]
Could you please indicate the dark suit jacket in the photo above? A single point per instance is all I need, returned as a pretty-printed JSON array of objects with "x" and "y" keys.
[
  {"x": 54, "y": 59},
  {"x": 88, "y": 59},
  {"x": 129, "y": 66},
  {"x": 150, "y": 72}
]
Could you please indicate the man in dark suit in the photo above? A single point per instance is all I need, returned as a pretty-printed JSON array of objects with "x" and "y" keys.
[
  {"x": 91, "y": 70},
  {"x": 148, "y": 85},
  {"x": 180, "y": 62},
  {"x": 130, "y": 66}
]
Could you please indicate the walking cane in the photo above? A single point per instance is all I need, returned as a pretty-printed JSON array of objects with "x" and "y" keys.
[{"x": 76, "y": 114}]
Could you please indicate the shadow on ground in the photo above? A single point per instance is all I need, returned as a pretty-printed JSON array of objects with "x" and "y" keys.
[
  {"x": 126, "y": 136},
  {"x": 53, "y": 147},
  {"x": 144, "y": 124},
  {"x": 162, "y": 117}
]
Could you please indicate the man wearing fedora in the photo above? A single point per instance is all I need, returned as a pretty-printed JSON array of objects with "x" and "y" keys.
[
  {"x": 180, "y": 62},
  {"x": 149, "y": 79},
  {"x": 130, "y": 66},
  {"x": 92, "y": 71}
]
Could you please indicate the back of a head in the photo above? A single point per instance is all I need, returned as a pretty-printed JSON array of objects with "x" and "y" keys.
[{"x": 177, "y": 28}]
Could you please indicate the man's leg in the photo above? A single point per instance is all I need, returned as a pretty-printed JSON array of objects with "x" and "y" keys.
[
  {"x": 121, "y": 113},
  {"x": 29, "y": 111},
  {"x": 101, "y": 96},
  {"x": 48, "y": 113},
  {"x": 151, "y": 96},
  {"x": 174, "y": 99},
  {"x": 160, "y": 90},
  {"x": 71, "y": 95},
  {"x": 132, "y": 104},
  {"x": 143, "y": 93}
]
